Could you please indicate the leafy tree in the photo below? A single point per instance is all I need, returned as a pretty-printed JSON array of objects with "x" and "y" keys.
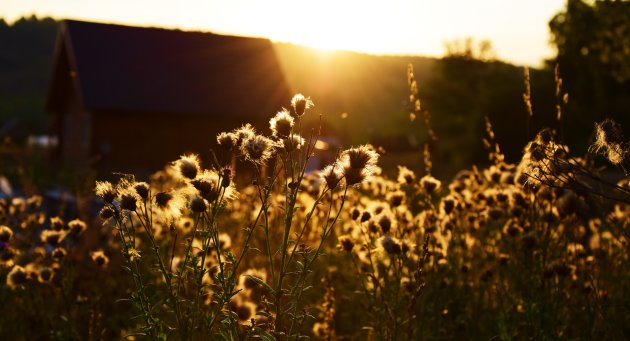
[{"x": 593, "y": 43}]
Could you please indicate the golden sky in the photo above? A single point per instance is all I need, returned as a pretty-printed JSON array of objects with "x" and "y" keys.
[{"x": 517, "y": 28}]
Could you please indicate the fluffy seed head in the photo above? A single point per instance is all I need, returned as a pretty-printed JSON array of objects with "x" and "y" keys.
[
  {"x": 362, "y": 157},
  {"x": 106, "y": 191},
  {"x": 430, "y": 184},
  {"x": 332, "y": 175},
  {"x": 58, "y": 253},
  {"x": 5, "y": 234},
  {"x": 198, "y": 204},
  {"x": 293, "y": 142},
  {"x": 142, "y": 189},
  {"x": 281, "y": 124},
  {"x": 405, "y": 176},
  {"x": 99, "y": 258},
  {"x": 227, "y": 141},
  {"x": 106, "y": 212},
  {"x": 188, "y": 166},
  {"x": 390, "y": 245},
  {"x": 17, "y": 277},
  {"x": 56, "y": 224},
  {"x": 129, "y": 201},
  {"x": 51, "y": 237},
  {"x": 346, "y": 243},
  {"x": 76, "y": 227},
  {"x": 300, "y": 104},
  {"x": 257, "y": 149},
  {"x": 244, "y": 133}
]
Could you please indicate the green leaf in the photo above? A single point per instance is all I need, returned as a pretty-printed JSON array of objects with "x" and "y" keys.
[{"x": 261, "y": 283}]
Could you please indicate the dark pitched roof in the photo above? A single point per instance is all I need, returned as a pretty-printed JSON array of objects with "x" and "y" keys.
[{"x": 153, "y": 70}]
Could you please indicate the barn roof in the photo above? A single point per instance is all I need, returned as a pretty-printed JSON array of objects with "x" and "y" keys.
[{"x": 152, "y": 70}]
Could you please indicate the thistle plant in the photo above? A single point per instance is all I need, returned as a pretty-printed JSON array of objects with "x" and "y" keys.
[{"x": 193, "y": 287}]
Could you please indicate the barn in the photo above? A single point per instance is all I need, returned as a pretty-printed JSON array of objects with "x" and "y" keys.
[{"x": 129, "y": 99}]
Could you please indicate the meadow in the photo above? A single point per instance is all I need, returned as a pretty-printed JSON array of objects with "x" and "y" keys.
[{"x": 245, "y": 243}]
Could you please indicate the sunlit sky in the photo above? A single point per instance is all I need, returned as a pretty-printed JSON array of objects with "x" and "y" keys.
[{"x": 517, "y": 28}]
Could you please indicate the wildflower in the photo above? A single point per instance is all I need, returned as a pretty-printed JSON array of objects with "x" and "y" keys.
[
  {"x": 227, "y": 174},
  {"x": 5, "y": 234},
  {"x": 51, "y": 237},
  {"x": 292, "y": 143},
  {"x": 142, "y": 189},
  {"x": 281, "y": 124},
  {"x": 188, "y": 166},
  {"x": 133, "y": 254},
  {"x": 390, "y": 245},
  {"x": 360, "y": 163},
  {"x": 385, "y": 222},
  {"x": 198, "y": 204},
  {"x": 56, "y": 224},
  {"x": 17, "y": 277},
  {"x": 332, "y": 175},
  {"x": 300, "y": 104},
  {"x": 365, "y": 216},
  {"x": 430, "y": 184},
  {"x": 610, "y": 139},
  {"x": 227, "y": 141},
  {"x": 244, "y": 133},
  {"x": 76, "y": 227},
  {"x": 106, "y": 191},
  {"x": 44, "y": 275},
  {"x": 106, "y": 212},
  {"x": 257, "y": 149},
  {"x": 396, "y": 198},
  {"x": 58, "y": 253},
  {"x": 405, "y": 176},
  {"x": 129, "y": 201},
  {"x": 448, "y": 204},
  {"x": 99, "y": 258},
  {"x": 346, "y": 243},
  {"x": 207, "y": 188}
]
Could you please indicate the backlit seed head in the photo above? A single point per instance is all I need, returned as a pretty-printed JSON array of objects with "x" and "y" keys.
[
  {"x": 300, "y": 104},
  {"x": 188, "y": 166},
  {"x": 332, "y": 175},
  {"x": 281, "y": 124},
  {"x": 390, "y": 245},
  {"x": 58, "y": 253},
  {"x": 227, "y": 141},
  {"x": 99, "y": 258},
  {"x": 406, "y": 176},
  {"x": 17, "y": 277},
  {"x": 430, "y": 184},
  {"x": 244, "y": 133},
  {"x": 76, "y": 227},
  {"x": 142, "y": 189},
  {"x": 129, "y": 201},
  {"x": 57, "y": 224},
  {"x": 51, "y": 237},
  {"x": 198, "y": 204},
  {"x": 5, "y": 234},
  {"x": 346, "y": 243},
  {"x": 257, "y": 149},
  {"x": 162, "y": 199},
  {"x": 106, "y": 212},
  {"x": 106, "y": 191}
]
